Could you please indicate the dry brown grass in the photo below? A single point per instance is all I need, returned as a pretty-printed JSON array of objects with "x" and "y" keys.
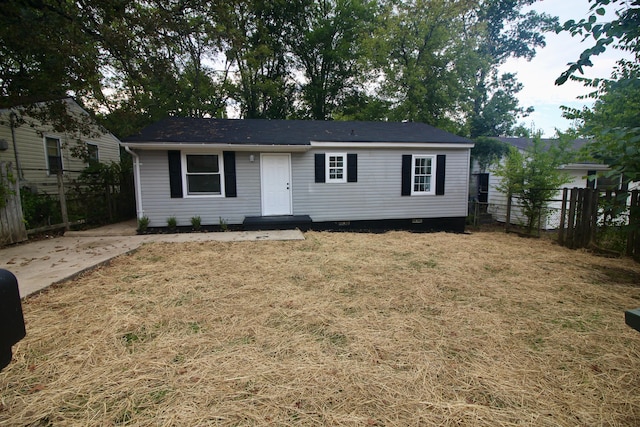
[{"x": 392, "y": 329}]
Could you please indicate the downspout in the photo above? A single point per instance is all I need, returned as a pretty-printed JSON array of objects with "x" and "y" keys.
[
  {"x": 15, "y": 145},
  {"x": 136, "y": 181}
]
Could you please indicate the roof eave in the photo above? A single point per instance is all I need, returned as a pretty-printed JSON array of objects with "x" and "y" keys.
[
  {"x": 197, "y": 146},
  {"x": 291, "y": 147},
  {"x": 333, "y": 144},
  {"x": 589, "y": 166}
]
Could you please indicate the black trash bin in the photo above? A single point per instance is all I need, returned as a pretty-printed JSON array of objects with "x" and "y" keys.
[{"x": 12, "y": 327}]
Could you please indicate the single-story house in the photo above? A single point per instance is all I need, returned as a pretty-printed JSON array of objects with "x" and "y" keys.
[
  {"x": 256, "y": 174},
  {"x": 582, "y": 175},
  {"x": 37, "y": 151}
]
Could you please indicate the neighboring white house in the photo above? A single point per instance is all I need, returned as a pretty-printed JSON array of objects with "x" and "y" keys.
[
  {"x": 484, "y": 185},
  {"x": 37, "y": 151}
]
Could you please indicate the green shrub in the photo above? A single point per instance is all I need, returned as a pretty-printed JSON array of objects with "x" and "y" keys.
[
  {"x": 39, "y": 210},
  {"x": 196, "y": 223},
  {"x": 172, "y": 222},
  {"x": 143, "y": 224}
]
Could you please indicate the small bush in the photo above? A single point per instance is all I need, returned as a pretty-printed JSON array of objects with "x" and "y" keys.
[
  {"x": 143, "y": 224},
  {"x": 39, "y": 209},
  {"x": 196, "y": 223},
  {"x": 172, "y": 222}
]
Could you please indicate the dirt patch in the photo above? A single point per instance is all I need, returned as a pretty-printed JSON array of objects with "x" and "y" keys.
[{"x": 342, "y": 328}]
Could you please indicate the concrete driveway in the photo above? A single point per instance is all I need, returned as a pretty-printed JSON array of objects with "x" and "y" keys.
[{"x": 41, "y": 263}]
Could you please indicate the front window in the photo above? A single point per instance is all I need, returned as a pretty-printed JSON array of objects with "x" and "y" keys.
[
  {"x": 203, "y": 174},
  {"x": 54, "y": 155},
  {"x": 423, "y": 175},
  {"x": 336, "y": 167}
]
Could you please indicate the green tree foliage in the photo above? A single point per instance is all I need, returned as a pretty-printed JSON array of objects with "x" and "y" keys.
[
  {"x": 621, "y": 33},
  {"x": 255, "y": 32},
  {"x": 488, "y": 151},
  {"x": 534, "y": 176},
  {"x": 425, "y": 64},
  {"x": 613, "y": 122},
  {"x": 497, "y": 110},
  {"x": 327, "y": 40},
  {"x": 135, "y": 62},
  {"x": 44, "y": 54},
  {"x": 502, "y": 31},
  {"x": 158, "y": 57},
  {"x": 440, "y": 61}
]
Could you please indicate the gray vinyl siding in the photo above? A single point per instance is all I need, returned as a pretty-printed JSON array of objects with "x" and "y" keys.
[
  {"x": 158, "y": 205},
  {"x": 376, "y": 194}
]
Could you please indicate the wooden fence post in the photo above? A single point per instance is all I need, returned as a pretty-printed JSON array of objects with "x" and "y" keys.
[
  {"x": 12, "y": 228},
  {"x": 586, "y": 217},
  {"x": 563, "y": 213},
  {"x": 633, "y": 238},
  {"x": 594, "y": 217},
  {"x": 571, "y": 227},
  {"x": 63, "y": 201},
  {"x": 507, "y": 223}
]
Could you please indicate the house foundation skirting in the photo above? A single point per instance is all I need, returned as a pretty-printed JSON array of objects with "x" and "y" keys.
[
  {"x": 453, "y": 225},
  {"x": 277, "y": 222},
  {"x": 304, "y": 223}
]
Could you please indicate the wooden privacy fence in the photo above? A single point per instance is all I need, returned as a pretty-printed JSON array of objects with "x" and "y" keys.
[
  {"x": 12, "y": 229},
  {"x": 581, "y": 217}
]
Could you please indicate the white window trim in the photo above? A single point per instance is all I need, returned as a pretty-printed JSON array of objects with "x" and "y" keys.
[
  {"x": 46, "y": 153},
  {"x": 328, "y": 166},
  {"x": 432, "y": 188},
  {"x": 185, "y": 187},
  {"x": 87, "y": 143}
]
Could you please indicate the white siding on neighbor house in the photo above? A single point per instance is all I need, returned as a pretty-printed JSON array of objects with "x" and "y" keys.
[
  {"x": 376, "y": 194},
  {"x": 498, "y": 200},
  {"x": 30, "y": 142}
]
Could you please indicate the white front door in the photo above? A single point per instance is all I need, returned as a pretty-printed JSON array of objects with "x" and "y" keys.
[{"x": 275, "y": 175}]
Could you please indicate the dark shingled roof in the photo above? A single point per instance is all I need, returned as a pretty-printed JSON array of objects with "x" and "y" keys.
[{"x": 287, "y": 132}]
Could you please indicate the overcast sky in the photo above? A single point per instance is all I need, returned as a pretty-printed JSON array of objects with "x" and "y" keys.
[{"x": 539, "y": 74}]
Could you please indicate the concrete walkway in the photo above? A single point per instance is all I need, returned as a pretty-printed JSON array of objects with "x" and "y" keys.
[{"x": 41, "y": 263}]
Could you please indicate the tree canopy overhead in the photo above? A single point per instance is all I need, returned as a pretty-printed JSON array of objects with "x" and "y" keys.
[
  {"x": 622, "y": 32},
  {"x": 135, "y": 62},
  {"x": 613, "y": 122}
]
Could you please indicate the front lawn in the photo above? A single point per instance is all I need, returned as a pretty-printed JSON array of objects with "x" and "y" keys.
[{"x": 391, "y": 329}]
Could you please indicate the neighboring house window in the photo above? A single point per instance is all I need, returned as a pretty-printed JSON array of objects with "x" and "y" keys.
[
  {"x": 336, "y": 167},
  {"x": 603, "y": 182},
  {"x": 423, "y": 172},
  {"x": 92, "y": 153},
  {"x": 54, "y": 155},
  {"x": 203, "y": 174}
]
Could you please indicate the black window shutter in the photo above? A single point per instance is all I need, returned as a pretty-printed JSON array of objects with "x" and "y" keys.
[
  {"x": 229, "y": 160},
  {"x": 175, "y": 173},
  {"x": 320, "y": 167},
  {"x": 441, "y": 162},
  {"x": 406, "y": 174},
  {"x": 352, "y": 168}
]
